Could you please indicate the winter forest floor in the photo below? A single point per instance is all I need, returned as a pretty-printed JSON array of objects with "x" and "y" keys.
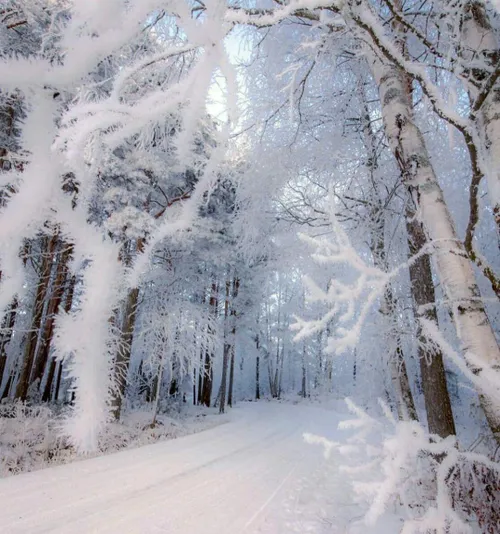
[{"x": 255, "y": 474}]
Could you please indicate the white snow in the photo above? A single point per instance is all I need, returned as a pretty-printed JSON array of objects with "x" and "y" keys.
[{"x": 254, "y": 474}]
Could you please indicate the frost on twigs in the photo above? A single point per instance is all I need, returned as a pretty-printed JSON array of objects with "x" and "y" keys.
[
  {"x": 435, "y": 486},
  {"x": 349, "y": 303}
]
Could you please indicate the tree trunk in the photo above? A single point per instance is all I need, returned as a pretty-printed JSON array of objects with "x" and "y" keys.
[
  {"x": 5, "y": 393},
  {"x": 478, "y": 341},
  {"x": 223, "y": 384},
  {"x": 303, "y": 391},
  {"x": 7, "y": 329},
  {"x": 48, "y": 248},
  {"x": 200, "y": 377},
  {"x": 280, "y": 376},
  {"x": 157, "y": 391},
  {"x": 122, "y": 360},
  {"x": 206, "y": 397},
  {"x": 236, "y": 287},
  {"x": 7, "y": 120},
  {"x": 270, "y": 376},
  {"x": 57, "y": 388},
  {"x": 376, "y": 205},
  {"x": 275, "y": 377},
  {"x": 257, "y": 368},
  {"x": 226, "y": 350},
  {"x": 231, "y": 379},
  {"x": 437, "y": 400},
  {"x": 57, "y": 291},
  {"x": 354, "y": 368},
  {"x": 405, "y": 405},
  {"x": 68, "y": 303}
]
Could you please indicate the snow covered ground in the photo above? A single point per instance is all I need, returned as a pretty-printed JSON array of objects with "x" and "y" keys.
[{"x": 255, "y": 474}]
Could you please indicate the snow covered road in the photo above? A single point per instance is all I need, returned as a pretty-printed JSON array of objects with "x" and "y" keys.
[{"x": 253, "y": 474}]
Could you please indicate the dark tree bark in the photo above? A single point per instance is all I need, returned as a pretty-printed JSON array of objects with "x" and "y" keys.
[
  {"x": 122, "y": 360},
  {"x": 437, "y": 399},
  {"x": 48, "y": 248},
  {"x": 236, "y": 287},
  {"x": 226, "y": 350},
  {"x": 303, "y": 391},
  {"x": 7, "y": 329},
  {"x": 5, "y": 393},
  {"x": 231, "y": 378},
  {"x": 200, "y": 369},
  {"x": 54, "y": 301},
  {"x": 68, "y": 303},
  {"x": 354, "y": 368},
  {"x": 58, "y": 381},
  {"x": 200, "y": 377},
  {"x": 206, "y": 397}
]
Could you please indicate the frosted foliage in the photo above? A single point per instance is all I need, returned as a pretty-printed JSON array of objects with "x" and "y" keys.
[
  {"x": 157, "y": 158},
  {"x": 390, "y": 462},
  {"x": 349, "y": 302},
  {"x": 67, "y": 135},
  {"x": 168, "y": 334}
]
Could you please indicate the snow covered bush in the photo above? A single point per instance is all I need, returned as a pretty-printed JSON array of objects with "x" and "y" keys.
[
  {"x": 30, "y": 435},
  {"x": 437, "y": 487},
  {"x": 27, "y": 437}
]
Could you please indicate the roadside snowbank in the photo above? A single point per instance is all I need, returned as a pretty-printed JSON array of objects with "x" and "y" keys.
[{"x": 30, "y": 437}]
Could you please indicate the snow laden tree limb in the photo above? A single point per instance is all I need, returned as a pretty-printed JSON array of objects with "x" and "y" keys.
[
  {"x": 349, "y": 304},
  {"x": 115, "y": 26},
  {"x": 262, "y": 18},
  {"x": 437, "y": 486},
  {"x": 484, "y": 92}
]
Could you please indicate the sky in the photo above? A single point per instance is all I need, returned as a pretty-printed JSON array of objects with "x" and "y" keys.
[{"x": 238, "y": 48}]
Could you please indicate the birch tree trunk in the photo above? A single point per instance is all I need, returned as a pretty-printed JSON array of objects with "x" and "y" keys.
[{"x": 477, "y": 339}]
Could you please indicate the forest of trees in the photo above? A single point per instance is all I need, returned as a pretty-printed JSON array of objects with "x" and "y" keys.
[{"x": 210, "y": 202}]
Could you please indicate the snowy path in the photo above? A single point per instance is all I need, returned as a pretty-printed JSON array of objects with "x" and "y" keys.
[{"x": 254, "y": 474}]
